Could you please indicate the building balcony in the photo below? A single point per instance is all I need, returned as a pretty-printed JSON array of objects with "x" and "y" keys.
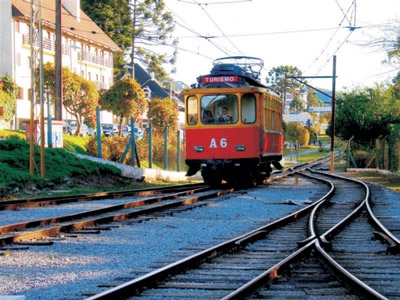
[
  {"x": 66, "y": 50},
  {"x": 98, "y": 60}
]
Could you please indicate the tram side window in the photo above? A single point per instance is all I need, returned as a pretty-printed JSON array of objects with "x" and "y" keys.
[
  {"x": 191, "y": 112},
  {"x": 248, "y": 108}
]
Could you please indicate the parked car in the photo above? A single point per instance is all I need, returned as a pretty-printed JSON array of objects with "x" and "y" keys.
[
  {"x": 93, "y": 131},
  {"x": 84, "y": 130},
  {"x": 109, "y": 129},
  {"x": 126, "y": 130},
  {"x": 138, "y": 133},
  {"x": 71, "y": 126}
]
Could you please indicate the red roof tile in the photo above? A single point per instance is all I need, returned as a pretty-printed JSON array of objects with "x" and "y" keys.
[{"x": 85, "y": 29}]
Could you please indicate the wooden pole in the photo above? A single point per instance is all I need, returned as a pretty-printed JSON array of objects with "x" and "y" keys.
[{"x": 332, "y": 166}]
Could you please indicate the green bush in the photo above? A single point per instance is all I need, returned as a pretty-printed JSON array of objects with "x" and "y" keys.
[{"x": 361, "y": 159}]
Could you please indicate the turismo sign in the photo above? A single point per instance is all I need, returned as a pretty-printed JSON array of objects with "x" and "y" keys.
[{"x": 215, "y": 79}]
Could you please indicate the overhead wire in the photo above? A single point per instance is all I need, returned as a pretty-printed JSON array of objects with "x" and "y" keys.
[
  {"x": 219, "y": 28},
  {"x": 332, "y": 37},
  {"x": 197, "y": 34},
  {"x": 351, "y": 27},
  {"x": 215, "y": 2}
]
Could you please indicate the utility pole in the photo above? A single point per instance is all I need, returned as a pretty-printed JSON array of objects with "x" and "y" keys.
[
  {"x": 333, "y": 96},
  {"x": 58, "y": 57},
  {"x": 32, "y": 38},
  {"x": 133, "y": 40},
  {"x": 332, "y": 166},
  {"x": 42, "y": 161}
]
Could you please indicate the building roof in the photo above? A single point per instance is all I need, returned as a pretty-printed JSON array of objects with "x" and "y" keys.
[
  {"x": 145, "y": 79},
  {"x": 84, "y": 29}
]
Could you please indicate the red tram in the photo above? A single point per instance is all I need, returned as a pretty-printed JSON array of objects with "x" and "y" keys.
[{"x": 233, "y": 125}]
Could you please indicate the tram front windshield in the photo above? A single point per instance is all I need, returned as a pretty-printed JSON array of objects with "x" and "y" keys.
[{"x": 219, "y": 109}]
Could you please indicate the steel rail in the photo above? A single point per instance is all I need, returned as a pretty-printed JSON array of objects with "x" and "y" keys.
[
  {"x": 94, "y": 212},
  {"x": 127, "y": 288},
  {"x": 65, "y": 228},
  {"x": 312, "y": 241},
  {"x": 307, "y": 244},
  {"x": 364, "y": 288},
  {"x": 55, "y": 200},
  {"x": 325, "y": 237},
  {"x": 271, "y": 273},
  {"x": 388, "y": 236}
]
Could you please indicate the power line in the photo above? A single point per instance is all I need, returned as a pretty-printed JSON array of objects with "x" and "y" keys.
[
  {"x": 197, "y": 35},
  {"x": 271, "y": 33},
  {"x": 219, "y": 28},
  {"x": 215, "y": 2},
  {"x": 351, "y": 27}
]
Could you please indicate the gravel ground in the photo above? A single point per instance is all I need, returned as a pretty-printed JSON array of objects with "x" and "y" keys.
[{"x": 70, "y": 267}]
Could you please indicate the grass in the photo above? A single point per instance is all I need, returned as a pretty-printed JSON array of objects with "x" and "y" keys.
[
  {"x": 60, "y": 164},
  {"x": 390, "y": 181}
]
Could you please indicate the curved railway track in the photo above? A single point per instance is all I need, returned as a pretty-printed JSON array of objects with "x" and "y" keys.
[
  {"x": 323, "y": 250},
  {"x": 134, "y": 204}
]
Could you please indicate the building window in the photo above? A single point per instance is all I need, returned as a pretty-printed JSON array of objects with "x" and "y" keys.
[
  {"x": 30, "y": 94},
  {"x": 17, "y": 26},
  {"x": 20, "y": 93},
  {"x": 18, "y": 59},
  {"x": 89, "y": 76}
]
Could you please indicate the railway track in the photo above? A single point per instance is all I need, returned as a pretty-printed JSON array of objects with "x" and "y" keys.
[
  {"x": 324, "y": 250},
  {"x": 42, "y": 231},
  {"x": 91, "y": 218},
  {"x": 58, "y": 200}
]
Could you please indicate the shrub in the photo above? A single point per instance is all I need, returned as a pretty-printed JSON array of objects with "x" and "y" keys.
[{"x": 362, "y": 158}]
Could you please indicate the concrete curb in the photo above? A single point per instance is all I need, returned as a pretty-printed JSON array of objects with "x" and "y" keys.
[
  {"x": 380, "y": 171},
  {"x": 139, "y": 173}
]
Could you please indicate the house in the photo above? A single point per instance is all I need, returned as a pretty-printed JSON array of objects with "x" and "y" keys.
[
  {"x": 155, "y": 89},
  {"x": 86, "y": 49}
]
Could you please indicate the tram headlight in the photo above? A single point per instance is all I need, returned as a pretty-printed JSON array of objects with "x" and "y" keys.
[
  {"x": 239, "y": 147},
  {"x": 198, "y": 148}
]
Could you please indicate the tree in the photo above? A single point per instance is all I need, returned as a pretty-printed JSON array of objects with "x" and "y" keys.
[
  {"x": 114, "y": 18},
  {"x": 366, "y": 114},
  {"x": 279, "y": 81},
  {"x": 312, "y": 99},
  {"x": 137, "y": 26},
  {"x": 80, "y": 96},
  {"x": 295, "y": 132},
  {"x": 296, "y": 105},
  {"x": 163, "y": 113},
  {"x": 124, "y": 99},
  {"x": 8, "y": 103},
  {"x": 153, "y": 26}
]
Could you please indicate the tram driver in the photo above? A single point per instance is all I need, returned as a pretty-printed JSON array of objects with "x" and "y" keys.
[{"x": 225, "y": 117}]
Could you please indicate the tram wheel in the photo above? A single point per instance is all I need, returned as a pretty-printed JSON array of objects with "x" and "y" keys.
[{"x": 212, "y": 179}]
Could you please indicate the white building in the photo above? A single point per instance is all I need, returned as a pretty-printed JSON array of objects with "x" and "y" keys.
[{"x": 86, "y": 49}]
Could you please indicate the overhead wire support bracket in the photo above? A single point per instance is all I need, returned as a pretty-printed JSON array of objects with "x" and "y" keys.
[
  {"x": 313, "y": 77},
  {"x": 333, "y": 100}
]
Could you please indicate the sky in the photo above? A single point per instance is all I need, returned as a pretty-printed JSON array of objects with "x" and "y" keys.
[{"x": 305, "y": 34}]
